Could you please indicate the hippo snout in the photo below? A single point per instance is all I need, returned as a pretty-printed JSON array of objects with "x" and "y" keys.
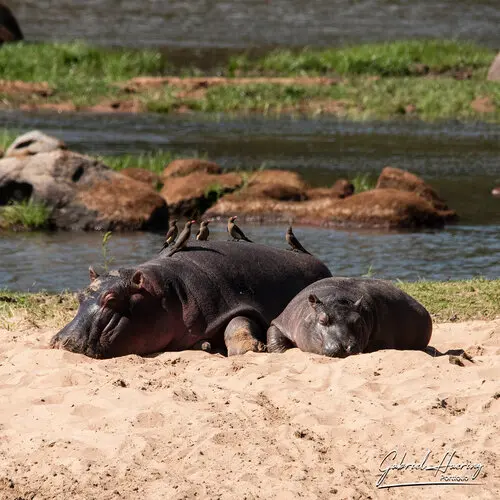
[
  {"x": 337, "y": 350},
  {"x": 69, "y": 339}
]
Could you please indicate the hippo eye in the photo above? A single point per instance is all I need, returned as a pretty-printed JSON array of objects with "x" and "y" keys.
[
  {"x": 109, "y": 300},
  {"x": 323, "y": 319}
]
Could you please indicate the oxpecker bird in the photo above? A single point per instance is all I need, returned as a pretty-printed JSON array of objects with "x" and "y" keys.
[
  {"x": 183, "y": 238},
  {"x": 292, "y": 240},
  {"x": 203, "y": 232},
  {"x": 234, "y": 231},
  {"x": 171, "y": 234}
]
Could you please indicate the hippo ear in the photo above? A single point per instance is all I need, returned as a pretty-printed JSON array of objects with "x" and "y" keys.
[
  {"x": 357, "y": 304},
  {"x": 140, "y": 281},
  {"x": 314, "y": 302},
  {"x": 92, "y": 274}
]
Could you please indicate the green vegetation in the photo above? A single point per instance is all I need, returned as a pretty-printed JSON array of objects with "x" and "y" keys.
[
  {"x": 25, "y": 214},
  {"x": 155, "y": 161},
  {"x": 7, "y": 137},
  {"x": 363, "y": 182},
  {"x": 36, "y": 309},
  {"x": 107, "y": 260},
  {"x": 426, "y": 79},
  {"x": 457, "y": 300},
  {"x": 359, "y": 98},
  {"x": 401, "y": 58}
]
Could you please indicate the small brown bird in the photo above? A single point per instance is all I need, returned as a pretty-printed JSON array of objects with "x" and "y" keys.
[
  {"x": 234, "y": 231},
  {"x": 171, "y": 234},
  {"x": 183, "y": 238},
  {"x": 203, "y": 232},
  {"x": 292, "y": 240}
]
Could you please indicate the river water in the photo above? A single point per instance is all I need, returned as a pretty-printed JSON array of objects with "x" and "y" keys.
[
  {"x": 206, "y": 31},
  {"x": 460, "y": 160}
]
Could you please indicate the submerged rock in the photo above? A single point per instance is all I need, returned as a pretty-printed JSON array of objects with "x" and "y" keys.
[{"x": 82, "y": 192}]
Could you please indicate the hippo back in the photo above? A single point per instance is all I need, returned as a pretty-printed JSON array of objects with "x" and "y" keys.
[{"x": 216, "y": 281}]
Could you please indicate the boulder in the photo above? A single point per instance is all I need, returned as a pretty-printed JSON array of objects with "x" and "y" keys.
[
  {"x": 192, "y": 194},
  {"x": 82, "y": 192},
  {"x": 186, "y": 166},
  {"x": 496, "y": 191},
  {"x": 494, "y": 71},
  {"x": 32, "y": 143},
  {"x": 405, "y": 181},
  {"x": 275, "y": 184},
  {"x": 377, "y": 208},
  {"x": 341, "y": 189},
  {"x": 143, "y": 175},
  {"x": 9, "y": 28}
]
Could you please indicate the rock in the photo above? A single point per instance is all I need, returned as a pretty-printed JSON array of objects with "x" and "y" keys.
[
  {"x": 379, "y": 208},
  {"x": 494, "y": 71},
  {"x": 82, "y": 192},
  {"x": 143, "y": 175},
  {"x": 396, "y": 178},
  {"x": 9, "y": 28},
  {"x": 32, "y": 143},
  {"x": 183, "y": 167},
  {"x": 341, "y": 189},
  {"x": 275, "y": 184},
  {"x": 192, "y": 194},
  {"x": 483, "y": 105},
  {"x": 496, "y": 191}
]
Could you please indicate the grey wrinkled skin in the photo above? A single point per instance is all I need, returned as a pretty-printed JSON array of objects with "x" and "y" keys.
[
  {"x": 222, "y": 293},
  {"x": 338, "y": 317}
]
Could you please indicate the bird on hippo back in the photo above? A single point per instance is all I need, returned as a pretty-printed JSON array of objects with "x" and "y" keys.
[
  {"x": 338, "y": 317},
  {"x": 214, "y": 292}
]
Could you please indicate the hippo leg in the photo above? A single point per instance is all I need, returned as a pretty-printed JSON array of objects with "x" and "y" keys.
[
  {"x": 276, "y": 341},
  {"x": 241, "y": 335}
]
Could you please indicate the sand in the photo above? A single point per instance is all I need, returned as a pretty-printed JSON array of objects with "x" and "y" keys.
[{"x": 293, "y": 425}]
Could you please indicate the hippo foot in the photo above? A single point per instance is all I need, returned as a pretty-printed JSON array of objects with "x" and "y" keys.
[
  {"x": 241, "y": 336},
  {"x": 276, "y": 341}
]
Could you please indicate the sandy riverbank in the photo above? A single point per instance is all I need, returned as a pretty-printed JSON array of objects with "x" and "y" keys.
[{"x": 186, "y": 425}]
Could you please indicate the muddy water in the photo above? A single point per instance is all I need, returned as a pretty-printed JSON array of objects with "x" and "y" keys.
[
  {"x": 461, "y": 161},
  {"x": 198, "y": 25}
]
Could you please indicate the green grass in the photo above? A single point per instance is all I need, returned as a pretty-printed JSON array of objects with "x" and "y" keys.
[
  {"x": 77, "y": 71},
  {"x": 155, "y": 161},
  {"x": 55, "y": 63},
  {"x": 7, "y": 137},
  {"x": 398, "y": 58},
  {"x": 457, "y": 300},
  {"x": 363, "y": 182},
  {"x": 25, "y": 214},
  {"x": 445, "y": 300},
  {"x": 379, "y": 81}
]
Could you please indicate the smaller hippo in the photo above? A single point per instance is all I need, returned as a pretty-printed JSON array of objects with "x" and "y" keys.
[{"x": 338, "y": 317}]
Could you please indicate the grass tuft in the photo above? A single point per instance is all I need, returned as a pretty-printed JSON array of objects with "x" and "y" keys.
[
  {"x": 27, "y": 214},
  {"x": 363, "y": 182},
  {"x": 457, "y": 300},
  {"x": 400, "y": 58},
  {"x": 155, "y": 161}
]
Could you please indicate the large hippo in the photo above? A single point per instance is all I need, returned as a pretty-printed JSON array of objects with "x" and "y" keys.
[
  {"x": 338, "y": 317},
  {"x": 222, "y": 292}
]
